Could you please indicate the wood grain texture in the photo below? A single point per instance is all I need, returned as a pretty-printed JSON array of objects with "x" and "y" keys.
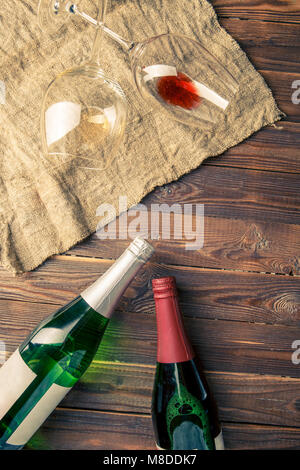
[
  {"x": 222, "y": 345},
  {"x": 94, "y": 430},
  {"x": 287, "y": 11},
  {"x": 252, "y": 437},
  {"x": 241, "y": 397},
  {"x": 232, "y": 244},
  {"x": 204, "y": 293},
  {"x": 248, "y": 215},
  {"x": 272, "y": 149},
  {"x": 235, "y": 193},
  {"x": 229, "y": 243},
  {"x": 281, "y": 86},
  {"x": 271, "y": 46},
  {"x": 273, "y": 49}
]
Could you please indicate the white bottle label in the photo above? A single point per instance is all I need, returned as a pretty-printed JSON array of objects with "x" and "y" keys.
[
  {"x": 219, "y": 442},
  {"x": 15, "y": 377}
]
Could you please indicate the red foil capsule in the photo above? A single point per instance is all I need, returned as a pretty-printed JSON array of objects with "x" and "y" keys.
[{"x": 173, "y": 344}]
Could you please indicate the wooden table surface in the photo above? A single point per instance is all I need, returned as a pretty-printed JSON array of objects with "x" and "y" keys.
[{"x": 240, "y": 294}]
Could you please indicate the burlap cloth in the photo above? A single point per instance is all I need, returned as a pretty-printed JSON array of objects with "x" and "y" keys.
[{"x": 43, "y": 210}]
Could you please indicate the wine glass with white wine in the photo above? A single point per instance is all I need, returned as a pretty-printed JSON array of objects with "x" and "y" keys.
[{"x": 83, "y": 111}]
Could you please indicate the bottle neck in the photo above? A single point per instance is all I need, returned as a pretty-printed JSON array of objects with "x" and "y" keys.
[
  {"x": 106, "y": 292},
  {"x": 173, "y": 344}
]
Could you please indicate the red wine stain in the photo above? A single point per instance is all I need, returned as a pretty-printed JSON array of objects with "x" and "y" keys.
[{"x": 179, "y": 91}]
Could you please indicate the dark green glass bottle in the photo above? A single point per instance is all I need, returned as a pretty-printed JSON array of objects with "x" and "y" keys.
[
  {"x": 51, "y": 360},
  {"x": 184, "y": 413}
]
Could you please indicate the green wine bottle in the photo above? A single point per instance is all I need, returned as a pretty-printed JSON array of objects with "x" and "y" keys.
[
  {"x": 184, "y": 413},
  {"x": 51, "y": 360}
]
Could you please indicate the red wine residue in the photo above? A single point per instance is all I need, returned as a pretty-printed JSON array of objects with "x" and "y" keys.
[{"x": 179, "y": 91}]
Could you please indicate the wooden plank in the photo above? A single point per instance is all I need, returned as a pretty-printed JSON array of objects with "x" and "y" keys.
[
  {"x": 257, "y": 399},
  {"x": 223, "y": 345},
  {"x": 271, "y": 46},
  {"x": 251, "y": 437},
  {"x": 247, "y": 217},
  {"x": 281, "y": 86},
  {"x": 272, "y": 148},
  {"x": 56, "y": 282},
  {"x": 273, "y": 50},
  {"x": 235, "y": 193},
  {"x": 268, "y": 34},
  {"x": 267, "y": 10},
  {"x": 204, "y": 293},
  {"x": 94, "y": 430},
  {"x": 231, "y": 244},
  {"x": 235, "y": 244},
  {"x": 228, "y": 244},
  {"x": 241, "y": 397}
]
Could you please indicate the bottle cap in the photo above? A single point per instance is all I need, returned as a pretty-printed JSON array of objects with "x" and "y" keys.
[
  {"x": 141, "y": 249},
  {"x": 164, "y": 287},
  {"x": 106, "y": 292}
]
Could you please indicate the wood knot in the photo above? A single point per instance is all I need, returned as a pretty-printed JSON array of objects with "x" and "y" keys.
[{"x": 253, "y": 240}]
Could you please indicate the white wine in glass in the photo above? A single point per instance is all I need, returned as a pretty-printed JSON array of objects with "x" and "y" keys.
[{"x": 83, "y": 113}]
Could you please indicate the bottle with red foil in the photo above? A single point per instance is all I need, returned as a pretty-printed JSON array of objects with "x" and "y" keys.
[{"x": 184, "y": 414}]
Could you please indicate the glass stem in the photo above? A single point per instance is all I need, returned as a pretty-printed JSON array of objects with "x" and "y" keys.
[
  {"x": 95, "y": 55},
  {"x": 127, "y": 45}
]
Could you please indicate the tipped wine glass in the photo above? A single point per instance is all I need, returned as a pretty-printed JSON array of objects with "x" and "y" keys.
[
  {"x": 83, "y": 112},
  {"x": 171, "y": 70}
]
